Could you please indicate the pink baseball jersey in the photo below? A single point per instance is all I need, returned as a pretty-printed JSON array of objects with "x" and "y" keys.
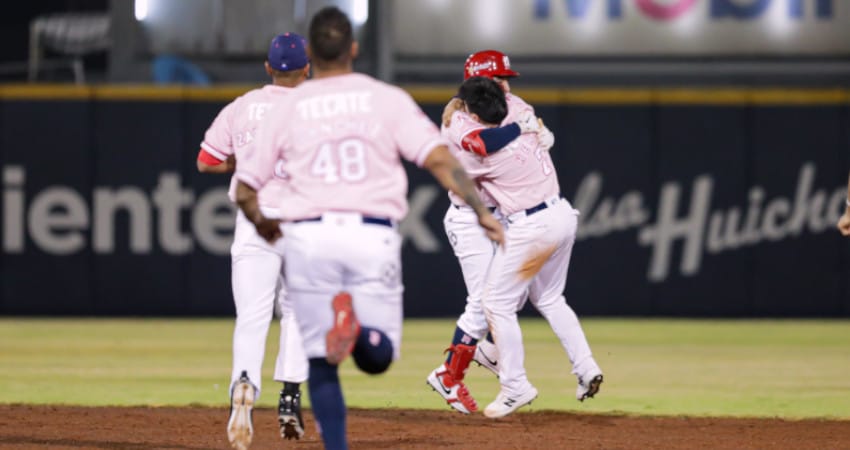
[
  {"x": 234, "y": 130},
  {"x": 517, "y": 177},
  {"x": 340, "y": 138},
  {"x": 516, "y": 106},
  {"x": 456, "y": 150}
]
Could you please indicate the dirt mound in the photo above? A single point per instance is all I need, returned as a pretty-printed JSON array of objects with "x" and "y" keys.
[{"x": 67, "y": 427}]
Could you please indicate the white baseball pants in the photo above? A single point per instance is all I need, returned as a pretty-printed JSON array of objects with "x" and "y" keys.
[
  {"x": 257, "y": 283},
  {"x": 341, "y": 253},
  {"x": 536, "y": 256},
  {"x": 474, "y": 251}
]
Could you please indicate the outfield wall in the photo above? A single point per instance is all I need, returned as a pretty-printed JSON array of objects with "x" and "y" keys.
[{"x": 717, "y": 202}]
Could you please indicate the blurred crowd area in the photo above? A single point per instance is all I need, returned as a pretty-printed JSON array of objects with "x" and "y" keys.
[{"x": 551, "y": 42}]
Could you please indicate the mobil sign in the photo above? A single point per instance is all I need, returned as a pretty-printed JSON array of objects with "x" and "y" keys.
[
  {"x": 695, "y": 27},
  {"x": 616, "y": 28},
  {"x": 666, "y": 10}
]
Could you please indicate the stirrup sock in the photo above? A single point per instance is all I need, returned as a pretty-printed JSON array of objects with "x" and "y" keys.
[{"x": 328, "y": 403}]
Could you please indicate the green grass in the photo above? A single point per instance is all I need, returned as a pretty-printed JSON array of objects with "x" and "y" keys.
[{"x": 768, "y": 368}]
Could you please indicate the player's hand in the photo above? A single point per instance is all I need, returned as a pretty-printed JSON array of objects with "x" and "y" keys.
[
  {"x": 844, "y": 223},
  {"x": 454, "y": 104},
  {"x": 493, "y": 228},
  {"x": 269, "y": 229},
  {"x": 545, "y": 137},
  {"x": 528, "y": 123}
]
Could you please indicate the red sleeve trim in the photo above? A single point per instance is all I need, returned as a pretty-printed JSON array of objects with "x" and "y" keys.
[
  {"x": 472, "y": 142},
  {"x": 208, "y": 159}
]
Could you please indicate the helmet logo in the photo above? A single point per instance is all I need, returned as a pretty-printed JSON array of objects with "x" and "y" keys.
[{"x": 484, "y": 66}]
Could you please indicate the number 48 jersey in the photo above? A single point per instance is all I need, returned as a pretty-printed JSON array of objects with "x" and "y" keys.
[{"x": 340, "y": 139}]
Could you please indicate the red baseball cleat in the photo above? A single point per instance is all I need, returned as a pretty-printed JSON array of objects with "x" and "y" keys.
[
  {"x": 340, "y": 340},
  {"x": 447, "y": 380}
]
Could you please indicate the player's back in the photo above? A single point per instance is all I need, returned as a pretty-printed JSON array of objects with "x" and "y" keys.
[
  {"x": 234, "y": 129},
  {"x": 519, "y": 176},
  {"x": 341, "y": 138},
  {"x": 516, "y": 108},
  {"x": 532, "y": 178}
]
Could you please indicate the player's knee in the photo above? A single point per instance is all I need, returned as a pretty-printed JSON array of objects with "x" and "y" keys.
[
  {"x": 372, "y": 366},
  {"x": 373, "y": 353}
]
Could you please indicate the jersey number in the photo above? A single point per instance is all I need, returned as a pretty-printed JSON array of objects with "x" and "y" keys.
[
  {"x": 256, "y": 111},
  {"x": 346, "y": 161}
]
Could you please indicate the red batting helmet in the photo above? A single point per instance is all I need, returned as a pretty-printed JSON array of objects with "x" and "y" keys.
[{"x": 488, "y": 63}]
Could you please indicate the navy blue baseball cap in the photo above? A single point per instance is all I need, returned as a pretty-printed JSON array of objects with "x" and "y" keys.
[{"x": 288, "y": 52}]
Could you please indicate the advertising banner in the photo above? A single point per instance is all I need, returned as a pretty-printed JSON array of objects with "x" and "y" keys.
[
  {"x": 687, "y": 209},
  {"x": 600, "y": 28}
]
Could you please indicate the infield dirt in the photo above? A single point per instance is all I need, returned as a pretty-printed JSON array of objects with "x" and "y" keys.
[{"x": 67, "y": 427}]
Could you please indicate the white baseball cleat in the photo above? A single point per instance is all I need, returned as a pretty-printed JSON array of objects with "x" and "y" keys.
[
  {"x": 506, "y": 404},
  {"x": 487, "y": 355},
  {"x": 589, "y": 388},
  {"x": 240, "y": 428}
]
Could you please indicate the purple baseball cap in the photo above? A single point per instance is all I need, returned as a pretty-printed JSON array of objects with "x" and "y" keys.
[{"x": 287, "y": 52}]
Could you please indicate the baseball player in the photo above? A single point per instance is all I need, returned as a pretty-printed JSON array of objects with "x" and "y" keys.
[
  {"x": 540, "y": 235},
  {"x": 341, "y": 136},
  {"x": 256, "y": 265},
  {"x": 475, "y": 254}
]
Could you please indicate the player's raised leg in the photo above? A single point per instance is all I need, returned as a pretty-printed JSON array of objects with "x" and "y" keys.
[
  {"x": 371, "y": 349},
  {"x": 374, "y": 282},
  {"x": 313, "y": 280},
  {"x": 378, "y": 341},
  {"x": 315, "y": 319},
  {"x": 345, "y": 281}
]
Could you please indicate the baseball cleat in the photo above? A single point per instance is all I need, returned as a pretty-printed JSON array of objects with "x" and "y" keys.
[
  {"x": 289, "y": 416},
  {"x": 505, "y": 404},
  {"x": 454, "y": 392},
  {"x": 240, "y": 428},
  {"x": 340, "y": 340},
  {"x": 487, "y": 356},
  {"x": 589, "y": 389}
]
